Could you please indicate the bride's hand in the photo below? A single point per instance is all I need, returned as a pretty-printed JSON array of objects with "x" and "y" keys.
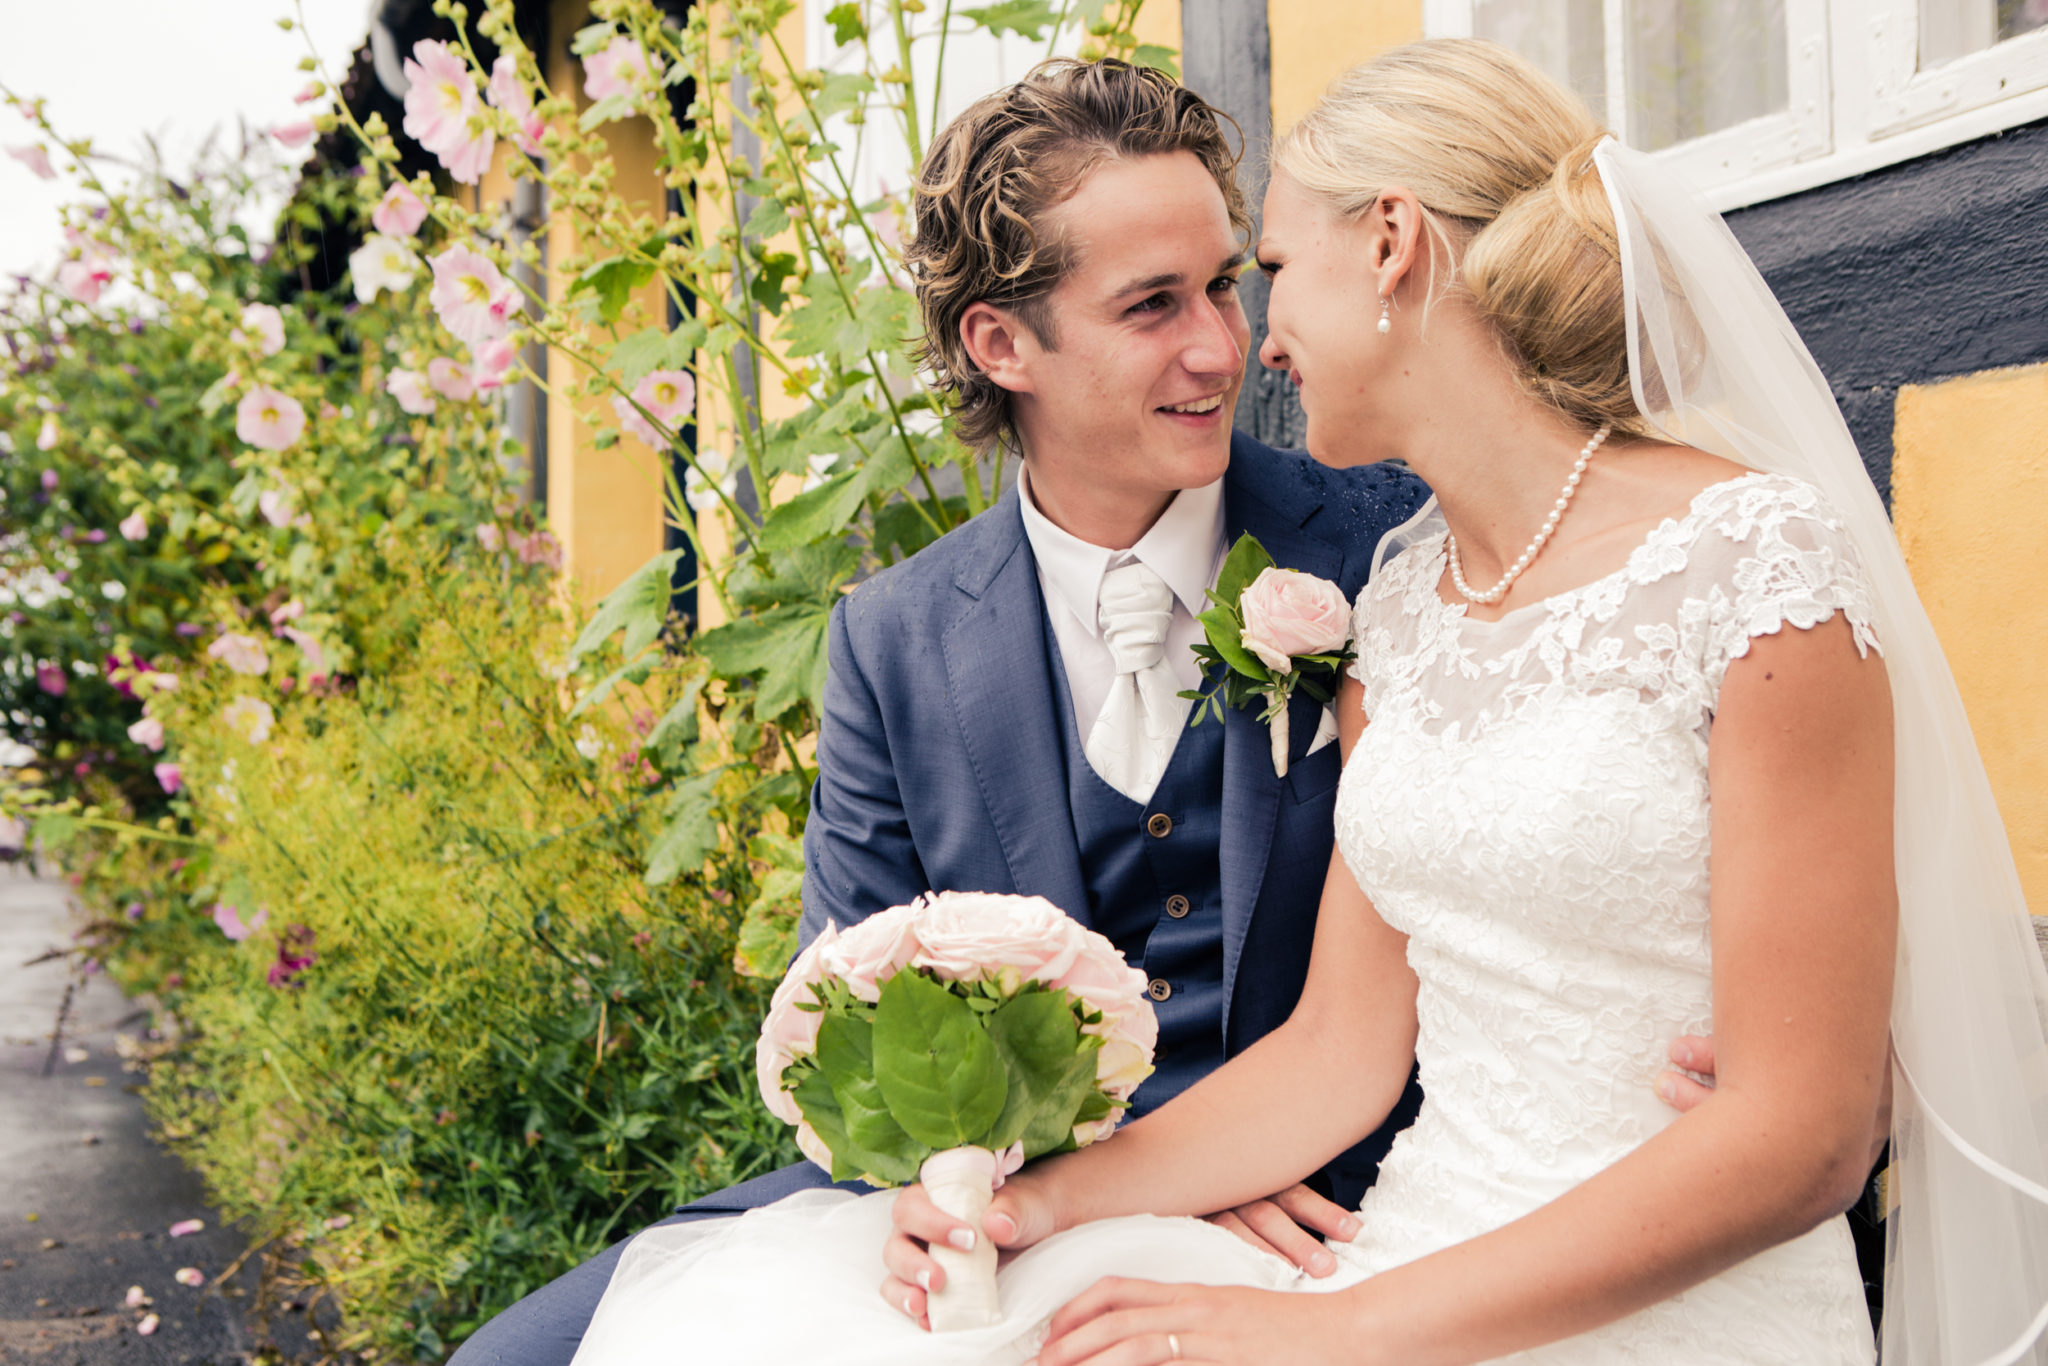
[
  {"x": 1123, "y": 1322},
  {"x": 1017, "y": 1217},
  {"x": 1286, "y": 1224}
]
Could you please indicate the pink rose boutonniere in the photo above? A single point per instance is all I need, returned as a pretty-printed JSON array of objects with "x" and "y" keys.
[{"x": 1272, "y": 631}]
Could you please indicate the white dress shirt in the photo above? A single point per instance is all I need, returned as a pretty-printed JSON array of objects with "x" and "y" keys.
[{"x": 1184, "y": 547}]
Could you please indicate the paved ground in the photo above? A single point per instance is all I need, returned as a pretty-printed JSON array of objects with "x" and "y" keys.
[{"x": 86, "y": 1200}]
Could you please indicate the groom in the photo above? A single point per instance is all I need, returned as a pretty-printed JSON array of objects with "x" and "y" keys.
[{"x": 1001, "y": 710}]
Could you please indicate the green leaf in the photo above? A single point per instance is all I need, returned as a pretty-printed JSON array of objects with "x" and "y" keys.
[
  {"x": 805, "y": 573},
  {"x": 676, "y": 729},
  {"x": 606, "y": 110},
  {"x": 654, "y": 348},
  {"x": 613, "y": 281},
  {"x": 902, "y": 525},
  {"x": 940, "y": 1073},
  {"x": 821, "y": 1111},
  {"x": 767, "y": 937},
  {"x": 1226, "y": 637},
  {"x": 1245, "y": 562},
  {"x": 634, "y": 670},
  {"x": 846, "y": 1058},
  {"x": 785, "y": 646},
  {"x": 772, "y": 270},
  {"x": 55, "y": 830},
  {"x": 841, "y": 92},
  {"x": 1027, "y": 19},
  {"x": 824, "y": 511},
  {"x": 592, "y": 38},
  {"x": 1157, "y": 57},
  {"x": 847, "y": 24},
  {"x": 691, "y": 835},
  {"x": 767, "y": 219},
  {"x": 639, "y": 607},
  {"x": 1049, "y": 1070}
]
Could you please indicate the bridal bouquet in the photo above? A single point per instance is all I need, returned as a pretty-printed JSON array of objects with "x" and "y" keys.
[{"x": 951, "y": 1041}]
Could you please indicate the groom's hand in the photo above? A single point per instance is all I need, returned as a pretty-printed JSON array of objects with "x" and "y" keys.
[
  {"x": 1286, "y": 1224},
  {"x": 1015, "y": 1219},
  {"x": 1693, "y": 1053}
]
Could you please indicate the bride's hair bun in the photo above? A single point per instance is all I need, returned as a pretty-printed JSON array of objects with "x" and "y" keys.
[{"x": 1501, "y": 158}]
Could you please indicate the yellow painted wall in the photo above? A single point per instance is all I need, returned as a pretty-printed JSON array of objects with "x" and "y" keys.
[
  {"x": 1159, "y": 22},
  {"x": 1969, "y": 499},
  {"x": 1316, "y": 40}
]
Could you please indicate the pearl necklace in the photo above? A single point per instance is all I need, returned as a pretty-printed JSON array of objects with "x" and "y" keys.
[{"x": 1564, "y": 500}]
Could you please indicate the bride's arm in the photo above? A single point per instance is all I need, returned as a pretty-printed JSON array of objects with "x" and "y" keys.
[{"x": 1804, "y": 910}]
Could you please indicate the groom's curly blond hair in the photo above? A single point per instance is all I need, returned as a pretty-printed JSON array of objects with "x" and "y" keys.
[{"x": 990, "y": 181}]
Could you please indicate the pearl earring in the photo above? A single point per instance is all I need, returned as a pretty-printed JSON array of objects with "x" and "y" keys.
[{"x": 1386, "y": 320}]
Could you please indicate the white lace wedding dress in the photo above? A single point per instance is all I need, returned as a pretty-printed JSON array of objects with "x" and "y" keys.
[{"x": 1529, "y": 805}]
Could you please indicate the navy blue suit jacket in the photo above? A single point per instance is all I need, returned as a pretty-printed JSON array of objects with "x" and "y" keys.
[{"x": 939, "y": 756}]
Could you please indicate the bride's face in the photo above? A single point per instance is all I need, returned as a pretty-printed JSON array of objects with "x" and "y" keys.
[{"x": 1322, "y": 322}]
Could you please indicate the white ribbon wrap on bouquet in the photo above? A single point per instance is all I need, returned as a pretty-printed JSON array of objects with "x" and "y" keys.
[{"x": 961, "y": 1181}]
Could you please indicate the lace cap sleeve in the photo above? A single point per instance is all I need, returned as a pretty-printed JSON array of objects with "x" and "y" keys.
[{"x": 1779, "y": 558}]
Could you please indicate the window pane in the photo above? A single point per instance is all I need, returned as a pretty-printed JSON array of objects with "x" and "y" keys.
[
  {"x": 1955, "y": 28},
  {"x": 1567, "y": 38},
  {"x": 1698, "y": 66}
]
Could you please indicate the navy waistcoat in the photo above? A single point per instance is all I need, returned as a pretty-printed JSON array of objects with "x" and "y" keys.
[{"x": 1155, "y": 888}]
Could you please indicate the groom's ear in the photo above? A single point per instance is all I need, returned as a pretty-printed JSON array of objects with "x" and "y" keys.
[{"x": 1000, "y": 345}]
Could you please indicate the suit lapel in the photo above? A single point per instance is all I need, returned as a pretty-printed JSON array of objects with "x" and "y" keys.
[
  {"x": 1251, "y": 790},
  {"x": 1000, "y": 680}
]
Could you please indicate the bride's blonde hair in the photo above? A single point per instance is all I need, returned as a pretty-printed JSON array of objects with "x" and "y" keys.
[{"x": 1501, "y": 158}]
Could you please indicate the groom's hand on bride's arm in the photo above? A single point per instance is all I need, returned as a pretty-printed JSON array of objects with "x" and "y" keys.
[
  {"x": 1016, "y": 1218},
  {"x": 1695, "y": 1053},
  {"x": 1288, "y": 1224}
]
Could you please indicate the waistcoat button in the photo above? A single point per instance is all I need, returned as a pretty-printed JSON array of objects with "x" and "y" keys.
[
  {"x": 1159, "y": 989},
  {"x": 1160, "y": 826},
  {"x": 1176, "y": 906}
]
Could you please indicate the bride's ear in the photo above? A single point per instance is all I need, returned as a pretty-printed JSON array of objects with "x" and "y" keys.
[{"x": 1396, "y": 248}]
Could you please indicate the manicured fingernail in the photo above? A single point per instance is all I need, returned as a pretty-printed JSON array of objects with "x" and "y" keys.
[
  {"x": 924, "y": 1281},
  {"x": 1666, "y": 1092},
  {"x": 1682, "y": 1054},
  {"x": 1349, "y": 1229},
  {"x": 962, "y": 1238},
  {"x": 1321, "y": 1264},
  {"x": 910, "y": 1307}
]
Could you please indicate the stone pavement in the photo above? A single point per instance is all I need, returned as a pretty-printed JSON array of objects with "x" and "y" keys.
[{"x": 87, "y": 1201}]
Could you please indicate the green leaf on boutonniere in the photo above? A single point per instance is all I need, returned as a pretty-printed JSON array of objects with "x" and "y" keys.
[
  {"x": 1245, "y": 562},
  {"x": 1225, "y": 630}
]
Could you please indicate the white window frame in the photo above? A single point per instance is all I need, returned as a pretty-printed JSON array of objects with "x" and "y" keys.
[{"x": 1858, "y": 100}]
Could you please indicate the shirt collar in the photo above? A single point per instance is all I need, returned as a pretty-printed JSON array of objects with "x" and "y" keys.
[{"x": 1184, "y": 547}]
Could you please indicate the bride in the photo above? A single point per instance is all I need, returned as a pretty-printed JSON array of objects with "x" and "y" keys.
[{"x": 1648, "y": 735}]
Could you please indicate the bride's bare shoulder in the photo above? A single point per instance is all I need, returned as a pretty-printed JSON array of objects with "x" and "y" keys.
[{"x": 1662, "y": 478}]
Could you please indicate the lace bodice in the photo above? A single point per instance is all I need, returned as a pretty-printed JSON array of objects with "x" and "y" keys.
[{"x": 1529, "y": 805}]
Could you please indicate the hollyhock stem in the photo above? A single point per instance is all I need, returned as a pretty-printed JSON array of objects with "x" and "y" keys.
[{"x": 961, "y": 1182}]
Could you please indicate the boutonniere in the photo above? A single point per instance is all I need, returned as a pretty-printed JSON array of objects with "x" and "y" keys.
[{"x": 1273, "y": 630}]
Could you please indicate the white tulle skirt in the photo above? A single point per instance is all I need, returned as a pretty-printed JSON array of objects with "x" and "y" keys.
[{"x": 800, "y": 1281}]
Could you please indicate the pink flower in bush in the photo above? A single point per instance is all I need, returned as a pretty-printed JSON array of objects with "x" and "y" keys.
[
  {"x": 291, "y": 610},
  {"x": 52, "y": 680},
  {"x": 33, "y": 156},
  {"x": 450, "y": 379},
  {"x": 170, "y": 777},
  {"x": 46, "y": 439},
  {"x": 134, "y": 526},
  {"x": 294, "y": 955},
  {"x": 400, "y": 212},
  {"x": 316, "y": 658},
  {"x": 269, "y": 420},
  {"x": 621, "y": 69},
  {"x": 472, "y": 296},
  {"x": 381, "y": 263},
  {"x": 148, "y": 732},
  {"x": 84, "y": 278},
  {"x": 265, "y": 325},
  {"x": 539, "y": 548},
  {"x": 230, "y": 921},
  {"x": 509, "y": 93},
  {"x": 297, "y": 133},
  {"x": 249, "y": 718},
  {"x": 243, "y": 654},
  {"x": 494, "y": 361},
  {"x": 668, "y": 396},
  {"x": 1288, "y": 613},
  {"x": 489, "y": 537},
  {"x": 409, "y": 387},
  {"x": 442, "y": 111},
  {"x": 276, "y": 506}
]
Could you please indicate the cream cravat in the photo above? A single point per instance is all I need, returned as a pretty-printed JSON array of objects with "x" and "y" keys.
[{"x": 1133, "y": 737}]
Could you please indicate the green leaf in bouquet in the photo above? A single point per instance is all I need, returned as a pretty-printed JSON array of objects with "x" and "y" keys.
[
  {"x": 942, "y": 1076},
  {"x": 1050, "y": 1071},
  {"x": 846, "y": 1058}
]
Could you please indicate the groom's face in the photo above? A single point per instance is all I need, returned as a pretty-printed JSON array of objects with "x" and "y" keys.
[{"x": 1129, "y": 394}]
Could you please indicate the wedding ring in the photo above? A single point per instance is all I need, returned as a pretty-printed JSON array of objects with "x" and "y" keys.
[{"x": 1173, "y": 1344}]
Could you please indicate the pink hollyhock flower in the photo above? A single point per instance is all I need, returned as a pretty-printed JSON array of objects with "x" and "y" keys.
[
  {"x": 269, "y": 420},
  {"x": 243, "y": 654},
  {"x": 134, "y": 526},
  {"x": 276, "y": 506},
  {"x": 52, "y": 680},
  {"x": 494, "y": 361},
  {"x": 1289, "y": 613},
  {"x": 294, "y": 955},
  {"x": 472, "y": 296},
  {"x": 489, "y": 537},
  {"x": 170, "y": 777},
  {"x": 316, "y": 659},
  {"x": 399, "y": 213},
  {"x": 148, "y": 732},
  {"x": 148, "y": 1325},
  {"x": 84, "y": 278},
  {"x": 265, "y": 325},
  {"x": 409, "y": 387},
  {"x": 382, "y": 263},
  {"x": 186, "y": 1227},
  {"x": 189, "y": 1275},
  {"x": 442, "y": 111},
  {"x": 290, "y": 611},
  {"x": 33, "y": 156},
  {"x": 668, "y": 396},
  {"x": 249, "y": 718},
  {"x": 621, "y": 69},
  {"x": 509, "y": 94},
  {"x": 450, "y": 380},
  {"x": 540, "y": 548},
  {"x": 230, "y": 921},
  {"x": 46, "y": 439},
  {"x": 297, "y": 133},
  {"x": 310, "y": 91}
]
